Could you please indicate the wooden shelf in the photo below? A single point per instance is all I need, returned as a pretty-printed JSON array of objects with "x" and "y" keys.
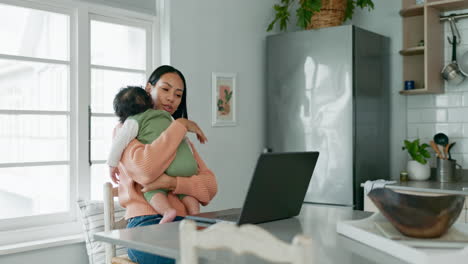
[
  {"x": 449, "y": 5},
  {"x": 415, "y": 10},
  {"x": 412, "y": 51},
  {"x": 441, "y": 5},
  {"x": 418, "y": 91}
]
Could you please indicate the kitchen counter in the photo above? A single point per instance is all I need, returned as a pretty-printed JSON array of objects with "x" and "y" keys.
[
  {"x": 315, "y": 221},
  {"x": 431, "y": 186}
]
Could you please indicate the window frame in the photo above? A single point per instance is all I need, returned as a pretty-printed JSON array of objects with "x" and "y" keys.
[{"x": 33, "y": 228}]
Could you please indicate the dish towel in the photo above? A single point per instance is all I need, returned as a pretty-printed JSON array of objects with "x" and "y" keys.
[{"x": 370, "y": 185}]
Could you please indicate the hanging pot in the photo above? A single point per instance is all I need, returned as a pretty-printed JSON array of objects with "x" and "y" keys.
[
  {"x": 451, "y": 73},
  {"x": 331, "y": 14}
]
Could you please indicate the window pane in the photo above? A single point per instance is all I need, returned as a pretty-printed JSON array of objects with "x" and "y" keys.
[
  {"x": 101, "y": 136},
  {"x": 105, "y": 84},
  {"x": 99, "y": 176},
  {"x": 27, "y": 191},
  {"x": 33, "y": 138},
  {"x": 34, "y": 33},
  {"x": 117, "y": 45},
  {"x": 33, "y": 86}
]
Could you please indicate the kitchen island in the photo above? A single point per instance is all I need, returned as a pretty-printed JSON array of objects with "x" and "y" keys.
[{"x": 315, "y": 221}]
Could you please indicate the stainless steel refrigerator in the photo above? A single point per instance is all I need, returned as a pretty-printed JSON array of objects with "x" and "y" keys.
[{"x": 327, "y": 91}]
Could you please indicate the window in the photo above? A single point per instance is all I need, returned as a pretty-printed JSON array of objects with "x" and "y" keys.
[
  {"x": 118, "y": 59},
  {"x": 54, "y": 100},
  {"x": 34, "y": 113}
]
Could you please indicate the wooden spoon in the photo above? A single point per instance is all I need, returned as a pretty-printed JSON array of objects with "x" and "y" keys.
[{"x": 436, "y": 149}]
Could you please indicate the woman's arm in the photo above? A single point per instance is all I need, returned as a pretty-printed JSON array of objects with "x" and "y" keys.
[
  {"x": 145, "y": 162},
  {"x": 202, "y": 186}
]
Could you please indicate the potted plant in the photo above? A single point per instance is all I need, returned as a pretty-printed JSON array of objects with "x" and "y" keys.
[
  {"x": 418, "y": 168},
  {"x": 317, "y": 13}
]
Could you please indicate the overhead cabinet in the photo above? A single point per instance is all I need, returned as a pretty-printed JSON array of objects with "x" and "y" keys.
[{"x": 423, "y": 64}]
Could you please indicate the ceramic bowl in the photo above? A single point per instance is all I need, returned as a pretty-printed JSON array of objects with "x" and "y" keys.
[{"x": 417, "y": 215}]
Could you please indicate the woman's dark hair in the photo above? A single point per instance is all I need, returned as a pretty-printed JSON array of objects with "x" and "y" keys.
[
  {"x": 154, "y": 78},
  {"x": 131, "y": 100}
]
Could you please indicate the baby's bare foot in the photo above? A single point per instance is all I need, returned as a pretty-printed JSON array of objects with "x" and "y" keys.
[{"x": 168, "y": 216}]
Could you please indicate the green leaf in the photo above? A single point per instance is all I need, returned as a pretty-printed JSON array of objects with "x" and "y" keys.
[
  {"x": 350, "y": 6},
  {"x": 425, "y": 153},
  {"x": 420, "y": 159},
  {"x": 407, "y": 144},
  {"x": 416, "y": 151},
  {"x": 281, "y": 15},
  {"x": 228, "y": 97},
  {"x": 220, "y": 108},
  {"x": 313, "y": 5},
  {"x": 303, "y": 17},
  {"x": 272, "y": 24}
]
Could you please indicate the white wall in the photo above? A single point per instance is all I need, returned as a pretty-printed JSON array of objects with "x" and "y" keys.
[
  {"x": 224, "y": 36},
  {"x": 446, "y": 113},
  {"x": 69, "y": 254},
  {"x": 385, "y": 20}
]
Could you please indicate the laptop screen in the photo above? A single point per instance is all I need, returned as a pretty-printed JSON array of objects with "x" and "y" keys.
[{"x": 278, "y": 186}]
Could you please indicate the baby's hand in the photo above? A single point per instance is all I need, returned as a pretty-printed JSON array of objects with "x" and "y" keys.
[{"x": 114, "y": 174}]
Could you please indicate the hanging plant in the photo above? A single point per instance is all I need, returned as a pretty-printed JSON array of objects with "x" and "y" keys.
[{"x": 308, "y": 8}]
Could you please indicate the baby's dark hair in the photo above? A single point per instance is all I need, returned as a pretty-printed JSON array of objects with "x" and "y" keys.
[{"x": 131, "y": 100}]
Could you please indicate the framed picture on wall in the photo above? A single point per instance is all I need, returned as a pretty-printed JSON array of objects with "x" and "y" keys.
[{"x": 224, "y": 96}]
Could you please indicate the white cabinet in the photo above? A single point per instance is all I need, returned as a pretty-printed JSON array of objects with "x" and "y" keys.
[{"x": 370, "y": 207}]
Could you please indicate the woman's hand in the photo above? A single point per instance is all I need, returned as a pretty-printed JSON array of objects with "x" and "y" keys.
[
  {"x": 114, "y": 174},
  {"x": 162, "y": 182},
  {"x": 194, "y": 128}
]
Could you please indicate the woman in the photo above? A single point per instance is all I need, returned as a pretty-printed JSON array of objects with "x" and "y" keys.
[{"x": 142, "y": 166}]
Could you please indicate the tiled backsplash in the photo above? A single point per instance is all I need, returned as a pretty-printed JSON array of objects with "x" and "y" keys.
[{"x": 448, "y": 112}]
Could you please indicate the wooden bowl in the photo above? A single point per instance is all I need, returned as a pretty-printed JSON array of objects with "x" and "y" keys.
[{"x": 417, "y": 215}]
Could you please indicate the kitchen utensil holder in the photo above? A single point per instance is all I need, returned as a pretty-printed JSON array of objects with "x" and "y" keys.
[{"x": 446, "y": 170}]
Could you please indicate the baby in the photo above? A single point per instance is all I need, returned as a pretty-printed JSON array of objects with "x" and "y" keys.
[{"x": 134, "y": 108}]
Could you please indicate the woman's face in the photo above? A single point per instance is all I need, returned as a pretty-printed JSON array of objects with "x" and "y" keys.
[{"x": 167, "y": 92}]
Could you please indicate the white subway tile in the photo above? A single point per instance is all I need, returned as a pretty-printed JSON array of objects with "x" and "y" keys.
[
  {"x": 465, "y": 130},
  {"x": 425, "y": 131},
  {"x": 420, "y": 101},
  {"x": 464, "y": 162},
  {"x": 451, "y": 130},
  {"x": 465, "y": 99},
  {"x": 456, "y": 88},
  {"x": 461, "y": 49},
  {"x": 461, "y": 146},
  {"x": 458, "y": 158},
  {"x": 414, "y": 116},
  {"x": 448, "y": 100},
  {"x": 412, "y": 131},
  {"x": 433, "y": 115},
  {"x": 458, "y": 115}
]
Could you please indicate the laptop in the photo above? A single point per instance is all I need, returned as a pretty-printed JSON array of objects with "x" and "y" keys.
[{"x": 277, "y": 190}]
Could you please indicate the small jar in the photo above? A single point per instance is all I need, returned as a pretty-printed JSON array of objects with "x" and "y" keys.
[{"x": 403, "y": 176}]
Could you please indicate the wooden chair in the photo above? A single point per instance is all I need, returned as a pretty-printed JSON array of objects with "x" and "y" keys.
[
  {"x": 110, "y": 224},
  {"x": 244, "y": 239}
]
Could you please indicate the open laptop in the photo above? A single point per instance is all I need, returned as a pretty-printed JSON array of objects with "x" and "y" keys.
[{"x": 276, "y": 191}]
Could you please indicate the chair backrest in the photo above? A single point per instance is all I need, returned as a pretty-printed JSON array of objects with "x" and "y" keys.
[
  {"x": 244, "y": 239},
  {"x": 109, "y": 218}
]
